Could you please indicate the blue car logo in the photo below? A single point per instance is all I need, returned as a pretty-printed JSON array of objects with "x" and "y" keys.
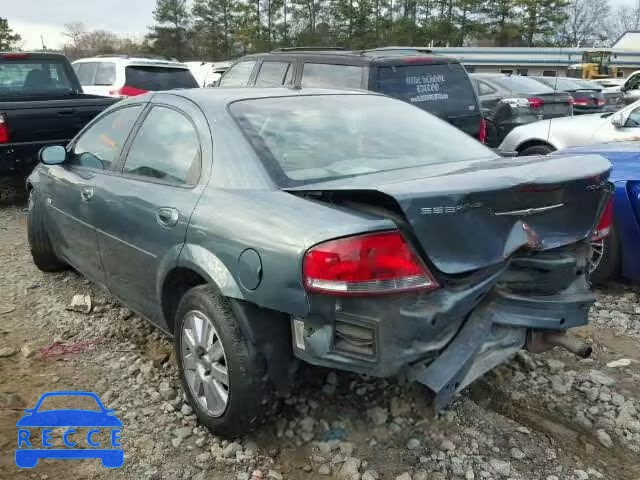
[{"x": 44, "y": 421}]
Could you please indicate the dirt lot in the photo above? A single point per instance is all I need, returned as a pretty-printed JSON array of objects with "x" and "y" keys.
[{"x": 550, "y": 416}]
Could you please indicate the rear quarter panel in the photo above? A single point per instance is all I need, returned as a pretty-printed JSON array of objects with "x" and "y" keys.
[{"x": 277, "y": 225}]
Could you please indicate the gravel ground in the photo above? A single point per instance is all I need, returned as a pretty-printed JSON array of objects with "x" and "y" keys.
[{"x": 550, "y": 417}]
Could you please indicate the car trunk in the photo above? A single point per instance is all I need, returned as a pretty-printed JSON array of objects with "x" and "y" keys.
[
  {"x": 590, "y": 100},
  {"x": 552, "y": 105},
  {"x": 464, "y": 216}
]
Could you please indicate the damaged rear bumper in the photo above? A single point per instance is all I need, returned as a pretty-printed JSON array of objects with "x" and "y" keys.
[{"x": 447, "y": 339}]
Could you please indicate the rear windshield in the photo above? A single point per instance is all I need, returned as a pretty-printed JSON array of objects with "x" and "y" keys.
[
  {"x": 28, "y": 76},
  {"x": 296, "y": 136},
  {"x": 516, "y": 83},
  {"x": 442, "y": 89},
  {"x": 560, "y": 84},
  {"x": 587, "y": 85},
  {"x": 159, "y": 78}
]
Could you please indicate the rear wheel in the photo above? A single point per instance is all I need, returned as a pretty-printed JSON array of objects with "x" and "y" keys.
[
  {"x": 536, "y": 150},
  {"x": 41, "y": 250},
  {"x": 229, "y": 393}
]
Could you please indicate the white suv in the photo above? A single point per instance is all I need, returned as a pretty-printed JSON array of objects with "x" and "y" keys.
[{"x": 124, "y": 76}]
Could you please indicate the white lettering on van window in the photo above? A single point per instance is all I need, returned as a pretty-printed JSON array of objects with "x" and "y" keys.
[{"x": 428, "y": 87}]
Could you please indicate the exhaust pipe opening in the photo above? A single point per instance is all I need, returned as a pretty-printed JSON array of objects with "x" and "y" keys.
[{"x": 538, "y": 341}]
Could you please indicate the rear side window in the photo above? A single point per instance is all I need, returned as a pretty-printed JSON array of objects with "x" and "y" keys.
[
  {"x": 441, "y": 89},
  {"x": 154, "y": 78},
  {"x": 86, "y": 72},
  {"x": 485, "y": 88},
  {"x": 272, "y": 74},
  {"x": 238, "y": 75},
  {"x": 166, "y": 148},
  {"x": 324, "y": 75},
  {"x": 105, "y": 74}
]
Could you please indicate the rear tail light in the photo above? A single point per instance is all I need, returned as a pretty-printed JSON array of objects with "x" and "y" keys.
[
  {"x": 127, "y": 91},
  {"x": 369, "y": 264},
  {"x": 581, "y": 102},
  {"x": 4, "y": 129},
  {"x": 600, "y": 102},
  {"x": 535, "y": 102},
  {"x": 604, "y": 225},
  {"x": 572, "y": 101},
  {"x": 482, "y": 136}
]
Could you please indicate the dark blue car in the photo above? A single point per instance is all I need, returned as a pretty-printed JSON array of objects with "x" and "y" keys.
[
  {"x": 618, "y": 255},
  {"x": 28, "y": 456}
]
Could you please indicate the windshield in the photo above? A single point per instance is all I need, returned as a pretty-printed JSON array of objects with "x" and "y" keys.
[
  {"x": 29, "y": 76},
  {"x": 442, "y": 89},
  {"x": 317, "y": 138},
  {"x": 75, "y": 402},
  {"x": 159, "y": 78}
]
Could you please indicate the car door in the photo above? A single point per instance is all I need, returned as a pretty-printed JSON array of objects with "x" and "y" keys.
[
  {"x": 631, "y": 89},
  {"x": 70, "y": 187},
  {"x": 145, "y": 211},
  {"x": 629, "y": 131}
]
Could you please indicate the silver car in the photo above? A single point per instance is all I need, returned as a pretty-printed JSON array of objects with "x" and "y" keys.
[{"x": 543, "y": 137}]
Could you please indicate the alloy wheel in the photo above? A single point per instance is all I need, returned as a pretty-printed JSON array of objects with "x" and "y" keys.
[{"x": 204, "y": 363}]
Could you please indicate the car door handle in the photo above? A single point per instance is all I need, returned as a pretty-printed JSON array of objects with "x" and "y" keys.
[
  {"x": 86, "y": 194},
  {"x": 167, "y": 217}
]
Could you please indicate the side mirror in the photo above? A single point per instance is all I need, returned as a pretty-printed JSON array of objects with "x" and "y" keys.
[
  {"x": 53, "y": 155},
  {"x": 617, "y": 120}
]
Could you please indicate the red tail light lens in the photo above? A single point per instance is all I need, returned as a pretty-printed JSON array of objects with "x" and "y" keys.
[
  {"x": 482, "y": 136},
  {"x": 376, "y": 263},
  {"x": 127, "y": 91},
  {"x": 535, "y": 102},
  {"x": 606, "y": 220},
  {"x": 600, "y": 102},
  {"x": 4, "y": 129},
  {"x": 14, "y": 56},
  {"x": 581, "y": 102},
  {"x": 572, "y": 101}
]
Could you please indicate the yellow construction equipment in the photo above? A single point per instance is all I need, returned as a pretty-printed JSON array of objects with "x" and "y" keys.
[{"x": 595, "y": 64}]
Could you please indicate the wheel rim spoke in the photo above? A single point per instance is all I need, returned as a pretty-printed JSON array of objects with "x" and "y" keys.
[
  {"x": 219, "y": 373},
  {"x": 216, "y": 352},
  {"x": 190, "y": 362}
]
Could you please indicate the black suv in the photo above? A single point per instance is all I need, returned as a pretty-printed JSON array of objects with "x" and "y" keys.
[{"x": 440, "y": 85}]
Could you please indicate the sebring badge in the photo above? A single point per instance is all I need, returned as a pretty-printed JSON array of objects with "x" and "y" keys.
[{"x": 449, "y": 210}]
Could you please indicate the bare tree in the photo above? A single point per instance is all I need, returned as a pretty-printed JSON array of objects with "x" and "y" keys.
[
  {"x": 586, "y": 24},
  {"x": 75, "y": 32},
  {"x": 627, "y": 17}
]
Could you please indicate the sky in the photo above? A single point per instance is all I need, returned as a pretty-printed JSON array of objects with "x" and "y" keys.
[
  {"x": 46, "y": 18},
  {"x": 33, "y": 18}
]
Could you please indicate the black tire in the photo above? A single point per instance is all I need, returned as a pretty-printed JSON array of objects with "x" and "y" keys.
[
  {"x": 609, "y": 267},
  {"x": 251, "y": 397},
  {"x": 536, "y": 150},
  {"x": 41, "y": 250},
  {"x": 492, "y": 135}
]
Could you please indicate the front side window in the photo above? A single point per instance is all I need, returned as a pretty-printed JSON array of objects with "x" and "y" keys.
[
  {"x": 633, "y": 120},
  {"x": 238, "y": 75},
  {"x": 322, "y": 75},
  {"x": 100, "y": 146},
  {"x": 296, "y": 136},
  {"x": 272, "y": 74},
  {"x": 166, "y": 148},
  {"x": 485, "y": 88}
]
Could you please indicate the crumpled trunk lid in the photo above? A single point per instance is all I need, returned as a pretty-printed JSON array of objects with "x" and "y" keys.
[{"x": 468, "y": 215}]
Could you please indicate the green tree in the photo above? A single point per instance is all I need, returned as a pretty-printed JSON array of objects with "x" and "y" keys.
[
  {"x": 8, "y": 39},
  {"x": 214, "y": 24},
  {"x": 541, "y": 19},
  {"x": 170, "y": 34}
]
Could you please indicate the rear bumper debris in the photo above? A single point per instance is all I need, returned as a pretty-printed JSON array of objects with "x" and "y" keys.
[{"x": 448, "y": 338}]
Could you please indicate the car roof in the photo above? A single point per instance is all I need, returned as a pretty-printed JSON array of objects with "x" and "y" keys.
[
  {"x": 127, "y": 60},
  {"x": 375, "y": 55},
  {"x": 31, "y": 55},
  {"x": 221, "y": 96}
]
